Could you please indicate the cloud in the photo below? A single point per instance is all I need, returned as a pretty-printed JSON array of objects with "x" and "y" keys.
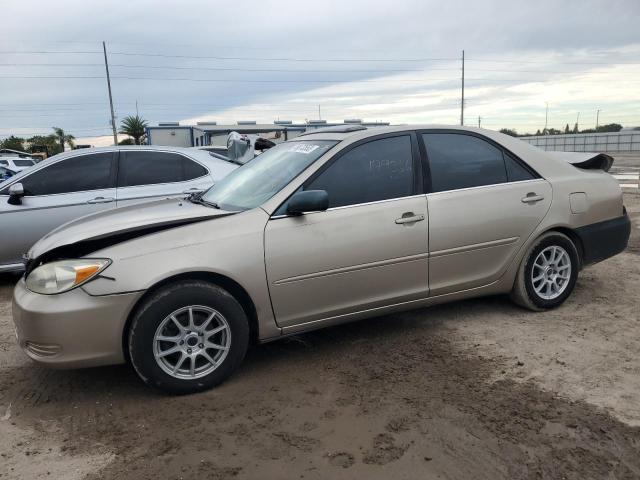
[{"x": 396, "y": 64}]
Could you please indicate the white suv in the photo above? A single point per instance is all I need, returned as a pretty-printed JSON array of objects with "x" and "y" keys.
[{"x": 16, "y": 164}]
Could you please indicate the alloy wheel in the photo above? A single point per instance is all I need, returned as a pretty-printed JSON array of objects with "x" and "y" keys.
[
  {"x": 551, "y": 272},
  {"x": 191, "y": 342}
]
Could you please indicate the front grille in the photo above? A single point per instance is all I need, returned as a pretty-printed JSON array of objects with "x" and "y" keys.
[{"x": 43, "y": 349}]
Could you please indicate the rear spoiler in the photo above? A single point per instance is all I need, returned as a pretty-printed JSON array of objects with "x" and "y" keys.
[{"x": 586, "y": 160}]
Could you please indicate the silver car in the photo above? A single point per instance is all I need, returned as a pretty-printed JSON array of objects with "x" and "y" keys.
[
  {"x": 330, "y": 227},
  {"x": 17, "y": 164},
  {"x": 77, "y": 183}
]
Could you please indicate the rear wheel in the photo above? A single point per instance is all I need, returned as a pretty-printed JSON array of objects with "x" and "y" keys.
[
  {"x": 548, "y": 273},
  {"x": 188, "y": 337}
]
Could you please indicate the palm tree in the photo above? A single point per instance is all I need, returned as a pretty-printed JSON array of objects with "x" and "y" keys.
[
  {"x": 135, "y": 127},
  {"x": 63, "y": 138}
]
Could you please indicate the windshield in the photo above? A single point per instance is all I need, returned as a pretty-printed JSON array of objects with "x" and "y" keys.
[{"x": 256, "y": 182}]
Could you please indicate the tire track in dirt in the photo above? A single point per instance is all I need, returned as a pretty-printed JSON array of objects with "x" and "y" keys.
[{"x": 389, "y": 395}]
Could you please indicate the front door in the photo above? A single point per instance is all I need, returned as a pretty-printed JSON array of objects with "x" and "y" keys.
[
  {"x": 484, "y": 204},
  {"x": 368, "y": 250},
  {"x": 56, "y": 194}
]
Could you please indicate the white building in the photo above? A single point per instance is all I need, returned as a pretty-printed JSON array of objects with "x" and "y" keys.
[{"x": 210, "y": 133}]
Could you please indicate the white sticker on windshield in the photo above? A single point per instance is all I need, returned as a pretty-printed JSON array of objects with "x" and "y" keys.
[{"x": 303, "y": 148}]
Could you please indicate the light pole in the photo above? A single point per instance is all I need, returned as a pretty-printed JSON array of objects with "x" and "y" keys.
[
  {"x": 113, "y": 117},
  {"x": 597, "y": 118},
  {"x": 462, "y": 94},
  {"x": 546, "y": 118}
]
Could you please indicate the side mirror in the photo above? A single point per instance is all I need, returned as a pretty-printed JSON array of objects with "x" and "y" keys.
[
  {"x": 16, "y": 192},
  {"x": 308, "y": 201}
]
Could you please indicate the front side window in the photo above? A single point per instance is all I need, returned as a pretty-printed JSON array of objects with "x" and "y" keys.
[
  {"x": 260, "y": 179},
  {"x": 76, "y": 174},
  {"x": 377, "y": 170},
  {"x": 462, "y": 161}
]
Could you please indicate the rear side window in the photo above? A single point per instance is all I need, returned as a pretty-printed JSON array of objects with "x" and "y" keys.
[
  {"x": 24, "y": 163},
  {"x": 462, "y": 161},
  {"x": 149, "y": 167},
  {"x": 77, "y": 174},
  {"x": 515, "y": 171},
  {"x": 377, "y": 170},
  {"x": 192, "y": 169}
]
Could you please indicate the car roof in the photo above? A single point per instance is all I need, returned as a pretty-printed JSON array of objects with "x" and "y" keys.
[
  {"x": 214, "y": 164},
  {"x": 200, "y": 155},
  {"x": 348, "y": 132}
]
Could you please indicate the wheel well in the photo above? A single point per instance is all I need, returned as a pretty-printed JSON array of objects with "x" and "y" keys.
[
  {"x": 574, "y": 237},
  {"x": 231, "y": 286}
]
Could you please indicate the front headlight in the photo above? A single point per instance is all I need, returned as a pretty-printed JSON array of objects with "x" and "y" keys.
[{"x": 63, "y": 275}]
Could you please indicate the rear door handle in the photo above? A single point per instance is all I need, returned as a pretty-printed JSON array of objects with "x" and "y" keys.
[
  {"x": 532, "y": 198},
  {"x": 101, "y": 200},
  {"x": 409, "y": 217}
]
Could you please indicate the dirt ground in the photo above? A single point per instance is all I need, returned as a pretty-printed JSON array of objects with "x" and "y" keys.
[{"x": 475, "y": 389}]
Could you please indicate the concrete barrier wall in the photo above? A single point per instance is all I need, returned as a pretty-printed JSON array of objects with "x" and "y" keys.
[{"x": 588, "y": 142}]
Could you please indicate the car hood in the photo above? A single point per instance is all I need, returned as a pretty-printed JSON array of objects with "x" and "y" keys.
[{"x": 92, "y": 232}]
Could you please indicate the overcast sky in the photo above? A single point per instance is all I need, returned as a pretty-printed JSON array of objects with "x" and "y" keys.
[{"x": 262, "y": 60}]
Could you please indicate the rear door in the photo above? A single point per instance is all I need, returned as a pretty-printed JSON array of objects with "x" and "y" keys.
[
  {"x": 483, "y": 205},
  {"x": 148, "y": 174},
  {"x": 60, "y": 192},
  {"x": 368, "y": 250}
]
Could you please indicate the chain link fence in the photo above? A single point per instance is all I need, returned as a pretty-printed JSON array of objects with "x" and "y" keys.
[{"x": 588, "y": 142}]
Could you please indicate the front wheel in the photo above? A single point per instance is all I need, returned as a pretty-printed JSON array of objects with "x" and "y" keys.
[
  {"x": 188, "y": 337},
  {"x": 548, "y": 273}
]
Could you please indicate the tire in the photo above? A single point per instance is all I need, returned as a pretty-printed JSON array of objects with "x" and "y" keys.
[
  {"x": 550, "y": 290},
  {"x": 191, "y": 303}
]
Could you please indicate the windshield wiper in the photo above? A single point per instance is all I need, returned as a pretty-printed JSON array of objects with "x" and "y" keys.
[{"x": 197, "y": 198}]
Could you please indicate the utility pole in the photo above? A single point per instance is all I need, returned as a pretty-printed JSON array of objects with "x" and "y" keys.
[
  {"x": 577, "y": 127},
  {"x": 462, "y": 99},
  {"x": 113, "y": 116},
  {"x": 319, "y": 114},
  {"x": 137, "y": 114},
  {"x": 546, "y": 118},
  {"x": 479, "y": 121},
  {"x": 597, "y": 119}
]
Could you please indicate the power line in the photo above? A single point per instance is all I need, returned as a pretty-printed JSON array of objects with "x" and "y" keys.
[
  {"x": 284, "y": 59},
  {"x": 297, "y": 81},
  {"x": 216, "y": 80},
  {"x": 550, "y": 62},
  {"x": 212, "y": 57},
  {"x": 221, "y": 69},
  {"x": 297, "y": 59},
  {"x": 289, "y": 70},
  {"x": 47, "y": 52}
]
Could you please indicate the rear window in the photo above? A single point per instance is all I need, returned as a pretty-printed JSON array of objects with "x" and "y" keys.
[{"x": 24, "y": 163}]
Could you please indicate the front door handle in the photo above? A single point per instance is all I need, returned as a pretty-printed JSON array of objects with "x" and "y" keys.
[
  {"x": 409, "y": 217},
  {"x": 101, "y": 200},
  {"x": 532, "y": 198}
]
